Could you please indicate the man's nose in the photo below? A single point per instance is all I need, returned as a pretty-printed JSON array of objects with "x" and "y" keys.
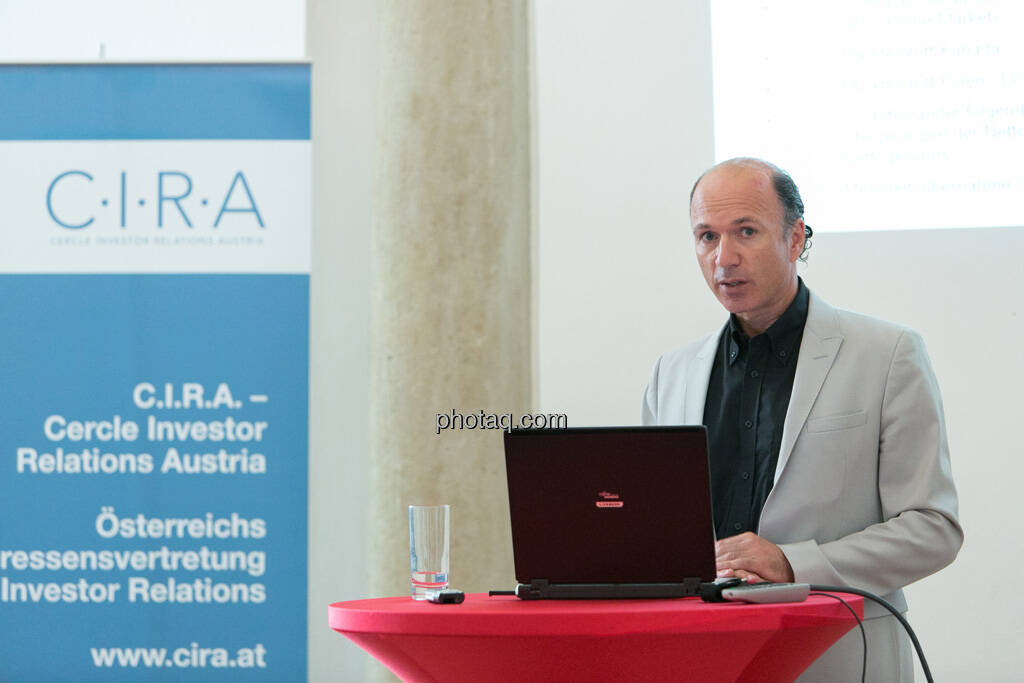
[{"x": 727, "y": 254}]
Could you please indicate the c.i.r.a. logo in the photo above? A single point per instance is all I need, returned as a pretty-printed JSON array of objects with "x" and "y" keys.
[{"x": 76, "y": 199}]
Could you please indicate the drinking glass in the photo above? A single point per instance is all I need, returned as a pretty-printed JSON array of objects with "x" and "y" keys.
[{"x": 428, "y": 548}]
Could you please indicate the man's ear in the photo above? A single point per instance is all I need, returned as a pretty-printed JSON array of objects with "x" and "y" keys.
[{"x": 796, "y": 240}]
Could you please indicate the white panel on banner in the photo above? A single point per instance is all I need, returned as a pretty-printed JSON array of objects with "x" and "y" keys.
[{"x": 156, "y": 206}]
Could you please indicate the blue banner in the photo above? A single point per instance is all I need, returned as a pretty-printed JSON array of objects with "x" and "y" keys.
[
  {"x": 154, "y": 382},
  {"x": 155, "y": 102}
]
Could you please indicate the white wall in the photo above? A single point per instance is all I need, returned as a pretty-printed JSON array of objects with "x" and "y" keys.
[
  {"x": 343, "y": 46},
  {"x": 152, "y": 30},
  {"x": 624, "y": 126}
]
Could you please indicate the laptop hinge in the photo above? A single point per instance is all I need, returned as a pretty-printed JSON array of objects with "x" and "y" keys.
[{"x": 535, "y": 590}]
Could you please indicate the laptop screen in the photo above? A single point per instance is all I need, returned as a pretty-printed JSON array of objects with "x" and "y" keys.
[{"x": 610, "y": 504}]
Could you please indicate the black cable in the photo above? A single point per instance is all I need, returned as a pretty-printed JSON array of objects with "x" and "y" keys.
[
  {"x": 895, "y": 613},
  {"x": 863, "y": 635}
]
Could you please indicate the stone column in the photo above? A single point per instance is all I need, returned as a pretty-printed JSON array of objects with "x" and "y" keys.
[{"x": 451, "y": 312}]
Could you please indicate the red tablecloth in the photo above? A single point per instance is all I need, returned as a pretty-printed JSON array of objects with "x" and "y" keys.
[{"x": 507, "y": 639}]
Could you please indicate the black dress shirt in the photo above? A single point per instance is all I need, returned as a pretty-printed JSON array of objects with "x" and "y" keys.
[{"x": 745, "y": 410}]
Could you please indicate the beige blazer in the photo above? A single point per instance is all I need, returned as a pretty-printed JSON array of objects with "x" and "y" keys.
[{"x": 863, "y": 492}]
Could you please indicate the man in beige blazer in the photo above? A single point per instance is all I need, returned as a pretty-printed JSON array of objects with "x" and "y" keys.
[{"x": 862, "y": 493}]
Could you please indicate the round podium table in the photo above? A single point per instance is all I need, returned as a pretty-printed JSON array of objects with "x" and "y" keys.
[{"x": 507, "y": 639}]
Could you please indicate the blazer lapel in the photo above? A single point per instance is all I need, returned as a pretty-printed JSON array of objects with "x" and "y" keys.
[
  {"x": 697, "y": 380},
  {"x": 818, "y": 349}
]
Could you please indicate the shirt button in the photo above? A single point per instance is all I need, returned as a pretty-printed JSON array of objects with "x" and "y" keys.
[
  {"x": 737, "y": 526},
  {"x": 753, "y": 373},
  {"x": 748, "y": 424},
  {"x": 782, "y": 354},
  {"x": 745, "y": 475}
]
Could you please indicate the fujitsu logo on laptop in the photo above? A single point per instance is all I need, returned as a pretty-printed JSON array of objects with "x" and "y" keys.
[{"x": 608, "y": 500}]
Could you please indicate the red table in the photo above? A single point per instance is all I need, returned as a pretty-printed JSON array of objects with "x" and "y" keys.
[{"x": 507, "y": 639}]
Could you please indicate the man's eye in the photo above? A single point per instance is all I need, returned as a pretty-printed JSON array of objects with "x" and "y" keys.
[
  {"x": 707, "y": 236},
  {"x": 749, "y": 232}
]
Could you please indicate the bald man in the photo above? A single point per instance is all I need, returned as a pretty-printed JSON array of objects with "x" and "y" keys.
[{"x": 828, "y": 453}]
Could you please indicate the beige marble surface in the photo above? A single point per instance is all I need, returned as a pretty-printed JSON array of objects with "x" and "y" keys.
[{"x": 451, "y": 309}]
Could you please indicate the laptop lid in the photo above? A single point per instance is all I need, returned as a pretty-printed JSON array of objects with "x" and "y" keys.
[{"x": 610, "y": 504}]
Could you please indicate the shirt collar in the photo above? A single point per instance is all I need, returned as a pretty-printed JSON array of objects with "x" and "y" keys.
[{"x": 783, "y": 336}]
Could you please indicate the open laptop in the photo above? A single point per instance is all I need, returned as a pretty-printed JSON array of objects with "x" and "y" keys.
[{"x": 610, "y": 512}]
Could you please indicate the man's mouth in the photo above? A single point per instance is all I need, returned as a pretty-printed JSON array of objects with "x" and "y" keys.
[{"x": 731, "y": 282}]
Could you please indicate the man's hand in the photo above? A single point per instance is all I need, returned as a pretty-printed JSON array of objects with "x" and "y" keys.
[{"x": 750, "y": 557}]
